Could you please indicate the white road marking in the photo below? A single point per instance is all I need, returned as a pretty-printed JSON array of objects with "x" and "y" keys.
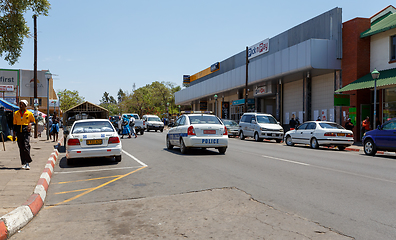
[
  {"x": 137, "y": 160},
  {"x": 285, "y": 160}
]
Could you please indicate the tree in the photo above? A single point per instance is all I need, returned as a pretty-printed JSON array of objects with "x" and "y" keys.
[
  {"x": 69, "y": 99},
  {"x": 109, "y": 103},
  {"x": 121, "y": 95},
  {"x": 13, "y": 26}
]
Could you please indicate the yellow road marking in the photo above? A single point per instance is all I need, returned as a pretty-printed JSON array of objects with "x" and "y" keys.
[
  {"x": 91, "y": 179},
  {"x": 79, "y": 190},
  {"x": 95, "y": 188}
]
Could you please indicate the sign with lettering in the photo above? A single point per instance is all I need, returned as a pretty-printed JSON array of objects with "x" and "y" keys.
[
  {"x": 258, "y": 48},
  {"x": 6, "y": 88},
  {"x": 9, "y": 77}
]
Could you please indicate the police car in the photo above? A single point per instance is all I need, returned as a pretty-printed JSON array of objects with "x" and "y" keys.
[{"x": 198, "y": 130}]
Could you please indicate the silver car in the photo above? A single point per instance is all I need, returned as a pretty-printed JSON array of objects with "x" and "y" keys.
[{"x": 260, "y": 126}]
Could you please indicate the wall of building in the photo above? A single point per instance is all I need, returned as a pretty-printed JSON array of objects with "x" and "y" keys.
[
  {"x": 323, "y": 97},
  {"x": 380, "y": 51}
]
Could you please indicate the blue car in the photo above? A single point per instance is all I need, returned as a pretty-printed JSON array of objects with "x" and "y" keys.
[{"x": 383, "y": 138}]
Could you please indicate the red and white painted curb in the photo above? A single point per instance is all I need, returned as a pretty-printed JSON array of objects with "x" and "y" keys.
[{"x": 19, "y": 217}]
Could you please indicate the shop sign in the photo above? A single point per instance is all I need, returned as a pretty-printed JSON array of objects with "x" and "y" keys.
[
  {"x": 258, "y": 48},
  {"x": 342, "y": 100},
  {"x": 6, "y": 88},
  {"x": 242, "y": 101},
  {"x": 264, "y": 90}
]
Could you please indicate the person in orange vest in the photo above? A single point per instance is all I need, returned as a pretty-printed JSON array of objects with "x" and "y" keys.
[
  {"x": 366, "y": 125},
  {"x": 22, "y": 126}
]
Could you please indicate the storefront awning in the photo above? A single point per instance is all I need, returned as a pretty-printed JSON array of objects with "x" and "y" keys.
[
  {"x": 8, "y": 105},
  {"x": 387, "y": 77}
]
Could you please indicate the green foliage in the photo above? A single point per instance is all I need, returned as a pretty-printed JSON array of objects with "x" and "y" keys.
[
  {"x": 69, "y": 99},
  {"x": 13, "y": 25},
  {"x": 109, "y": 103}
]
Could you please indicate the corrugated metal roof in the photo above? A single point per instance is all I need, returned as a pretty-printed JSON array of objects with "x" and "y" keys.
[
  {"x": 381, "y": 25},
  {"x": 387, "y": 77}
]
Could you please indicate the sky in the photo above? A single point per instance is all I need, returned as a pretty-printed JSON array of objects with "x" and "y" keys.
[{"x": 103, "y": 46}]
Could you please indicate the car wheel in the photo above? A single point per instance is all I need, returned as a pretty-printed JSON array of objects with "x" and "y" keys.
[
  {"x": 118, "y": 158},
  {"x": 183, "y": 148},
  {"x": 168, "y": 144},
  {"x": 222, "y": 150},
  {"x": 142, "y": 132},
  {"x": 257, "y": 138},
  {"x": 289, "y": 141},
  {"x": 278, "y": 140},
  {"x": 369, "y": 147},
  {"x": 241, "y": 136},
  {"x": 69, "y": 161},
  {"x": 341, "y": 148},
  {"x": 314, "y": 143},
  {"x": 162, "y": 130},
  {"x": 148, "y": 130}
]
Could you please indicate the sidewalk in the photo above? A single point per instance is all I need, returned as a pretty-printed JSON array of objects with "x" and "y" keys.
[{"x": 17, "y": 185}]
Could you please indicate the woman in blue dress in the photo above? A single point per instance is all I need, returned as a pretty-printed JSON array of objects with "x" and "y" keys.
[{"x": 126, "y": 130}]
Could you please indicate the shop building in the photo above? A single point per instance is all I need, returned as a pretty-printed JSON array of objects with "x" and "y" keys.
[
  {"x": 293, "y": 73},
  {"x": 369, "y": 44}
]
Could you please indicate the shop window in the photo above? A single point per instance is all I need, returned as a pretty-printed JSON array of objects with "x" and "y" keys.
[{"x": 393, "y": 48}]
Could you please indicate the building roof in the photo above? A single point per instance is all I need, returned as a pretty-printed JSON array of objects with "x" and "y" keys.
[
  {"x": 381, "y": 22},
  {"x": 386, "y": 78}
]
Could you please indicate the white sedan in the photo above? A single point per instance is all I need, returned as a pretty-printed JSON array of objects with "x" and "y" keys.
[
  {"x": 93, "y": 138},
  {"x": 198, "y": 131},
  {"x": 320, "y": 133}
]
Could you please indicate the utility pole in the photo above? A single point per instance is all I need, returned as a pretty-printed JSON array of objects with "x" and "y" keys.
[
  {"x": 35, "y": 102},
  {"x": 247, "y": 75}
]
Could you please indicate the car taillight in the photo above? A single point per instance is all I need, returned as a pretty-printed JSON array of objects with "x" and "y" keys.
[
  {"x": 190, "y": 130},
  {"x": 225, "y": 131},
  {"x": 114, "y": 140},
  {"x": 73, "y": 142},
  {"x": 349, "y": 135},
  {"x": 330, "y": 134}
]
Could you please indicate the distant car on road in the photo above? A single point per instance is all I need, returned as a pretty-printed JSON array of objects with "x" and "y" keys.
[
  {"x": 232, "y": 127},
  {"x": 383, "y": 138},
  {"x": 198, "y": 131},
  {"x": 153, "y": 122},
  {"x": 92, "y": 138},
  {"x": 320, "y": 133}
]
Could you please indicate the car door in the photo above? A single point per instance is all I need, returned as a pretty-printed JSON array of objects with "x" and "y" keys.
[
  {"x": 297, "y": 135},
  {"x": 244, "y": 123},
  {"x": 308, "y": 132},
  {"x": 386, "y": 137},
  {"x": 174, "y": 132}
]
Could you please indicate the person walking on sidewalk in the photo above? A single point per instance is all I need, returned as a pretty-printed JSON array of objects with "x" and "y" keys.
[
  {"x": 55, "y": 126},
  {"x": 22, "y": 126}
]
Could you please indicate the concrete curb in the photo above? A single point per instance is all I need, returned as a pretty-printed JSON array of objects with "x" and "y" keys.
[
  {"x": 378, "y": 152},
  {"x": 19, "y": 217}
]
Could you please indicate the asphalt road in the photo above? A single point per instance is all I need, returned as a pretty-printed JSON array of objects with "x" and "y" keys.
[{"x": 348, "y": 192}]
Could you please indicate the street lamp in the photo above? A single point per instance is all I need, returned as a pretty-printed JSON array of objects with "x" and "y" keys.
[
  {"x": 179, "y": 109},
  {"x": 48, "y": 76},
  {"x": 167, "y": 109},
  {"x": 215, "y": 97},
  {"x": 375, "y": 75}
]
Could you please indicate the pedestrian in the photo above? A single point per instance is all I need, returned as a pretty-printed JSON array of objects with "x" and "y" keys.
[
  {"x": 377, "y": 122},
  {"x": 365, "y": 125},
  {"x": 132, "y": 126},
  {"x": 22, "y": 124},
  {"x": 126, "y": 130},
  {"x": 50, "y": 127},
  {"x": 349, "y": 125},
  {"x": 292, "y": 123},
  {"x": 119, "y": 125},
  {"x": 40, "y": 124},
  {"x": 55, "y": 126}
]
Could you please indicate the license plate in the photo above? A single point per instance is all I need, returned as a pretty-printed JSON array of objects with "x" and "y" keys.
[
  {"x": 94, "y": 142},
  {"x": 209, "y": 131},
  {"x": 341, "y": 134}
]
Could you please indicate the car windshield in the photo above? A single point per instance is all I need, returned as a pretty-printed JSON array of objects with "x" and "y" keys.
[
  {"x": 331, "y": 126},
  {"x": 92, "y": 127},
  {"x": 230, "y": 123},
  {"x": 204, "y": 120},
  {"x": 154, "y": 119},
  {"x": 266, "y": 119}
]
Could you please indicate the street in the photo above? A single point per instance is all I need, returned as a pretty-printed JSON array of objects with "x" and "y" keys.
[{"x": 347, "y": 192}]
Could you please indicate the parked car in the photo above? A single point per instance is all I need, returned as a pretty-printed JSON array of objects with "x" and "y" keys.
[
  {"x": 114, "y": 120},
  {"x": 198, "y": 131},
  {"x": 320, "y": 133},
  {"x": 232, "y": 127},
  {"x": 153, "y": 122},
  {"x": 260, "y": 126},
  {"x": 93, "y": 138},
  {"x": 383, "y": 138},
  {"x": 140, "y": 124}
]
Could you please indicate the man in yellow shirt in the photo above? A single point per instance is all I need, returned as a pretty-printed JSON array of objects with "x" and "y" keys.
[{"x": 22, "y": 126}]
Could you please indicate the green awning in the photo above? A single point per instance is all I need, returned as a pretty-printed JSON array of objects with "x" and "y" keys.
[
  {"x": 387, "y": 77},
  {"x": 381, "y": 25}
]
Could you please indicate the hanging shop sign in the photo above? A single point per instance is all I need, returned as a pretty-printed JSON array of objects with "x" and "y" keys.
[
  {"x": 261, "y": 91},
  {"x": 258, "y": 48},
  {"x": 6, "y": 88}
]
